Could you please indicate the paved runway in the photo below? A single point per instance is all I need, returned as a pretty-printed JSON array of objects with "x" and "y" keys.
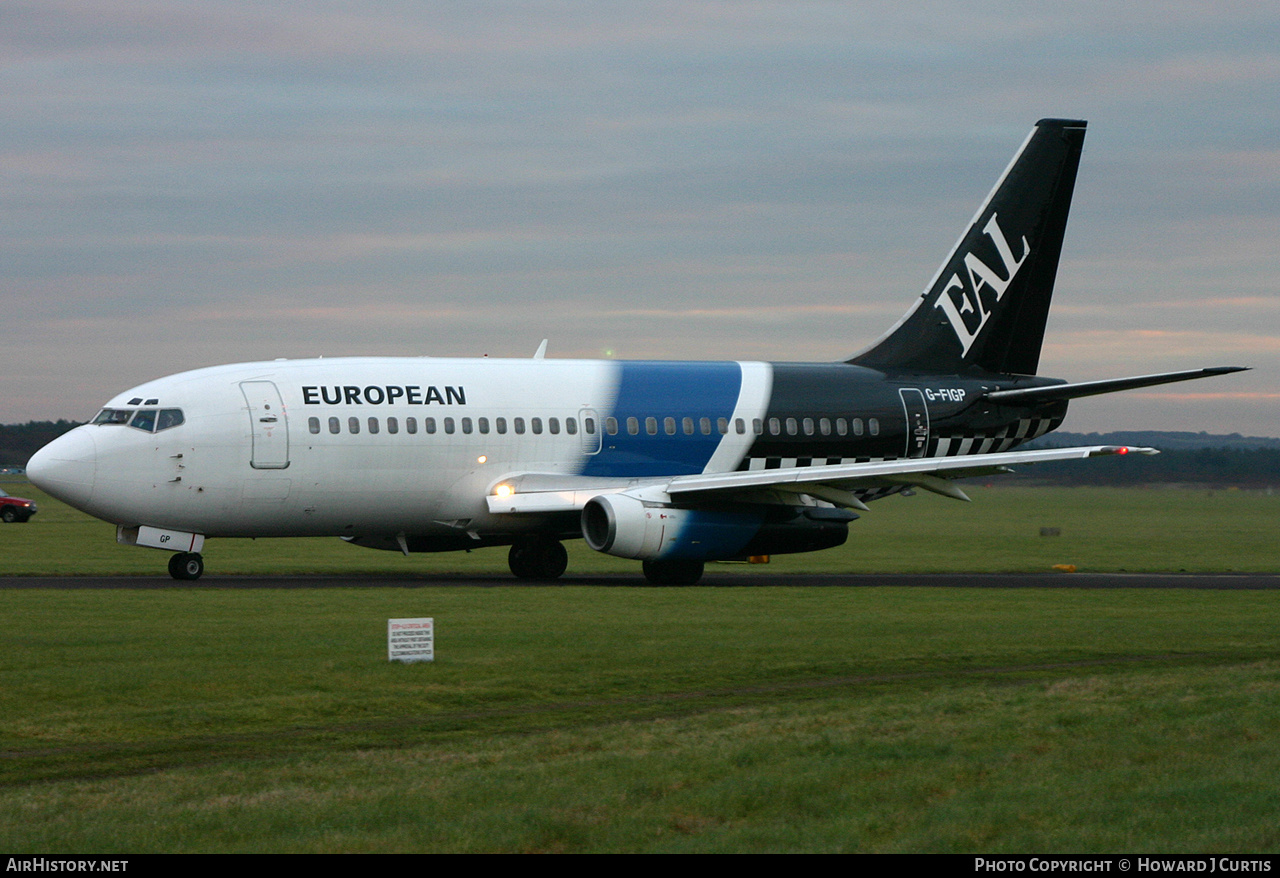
[{"x": 713, "y": 579}]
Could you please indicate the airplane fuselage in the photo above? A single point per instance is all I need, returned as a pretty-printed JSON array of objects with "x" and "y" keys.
[{"x": 379, "y": 446}]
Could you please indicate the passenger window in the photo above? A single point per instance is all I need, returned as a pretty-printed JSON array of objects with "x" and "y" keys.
[
  {"x": 448, "y": 425},
  {"x": 411, "y": 425},
  {"x": 501, "y": 424},
  {"x": 669, "y": 425},
  {"x": 429, "y": 424},
  {"x": 482, "y": 424},
  {"x": 775, "y": 428},
  {"x": 740, "y": 425},
  {"x": 571, "y": 426},
  {"x": 553, "y": 425},
  {"x": 824, "y": 426},
  {"x": 393, "y": 425},
  {"x": 651, "y": 426},
  {"x": 466, "y": 425},
  {"x": 353, "y": 424},
  {"x": 704, "y": 425},
  {"x": 313, "y": 424},
  {"x": 611, "y": 426},
  {"x": 373, "y": 425},
  {"x": 757, "y": 426},
  {"x": 842, "y": 427},
  {"x": 535, "y": 425},
  {"x": 807, "y": 424},
  {"x": 518, "y": 423},
  {"x": 633, "y": 426},
  {"x": 335, "y": 426},
  {"x": 791, "y": 426},
  {"x": 873, "y": 426},
  {"x": 857, "y": 426}
]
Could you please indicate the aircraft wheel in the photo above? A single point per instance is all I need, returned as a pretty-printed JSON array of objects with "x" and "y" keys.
[
  {"x": 186, "y": 565},
  {"x": 542, "y": 558},
  {"x": 673, "y": 572}
]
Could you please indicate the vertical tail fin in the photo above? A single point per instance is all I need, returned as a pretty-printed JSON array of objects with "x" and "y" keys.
[{"x": 986, "y": 308}]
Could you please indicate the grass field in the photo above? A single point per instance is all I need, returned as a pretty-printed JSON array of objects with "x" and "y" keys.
[
  {"x": 637, "y": 719},
  {"x": 1101, "y": 530}
]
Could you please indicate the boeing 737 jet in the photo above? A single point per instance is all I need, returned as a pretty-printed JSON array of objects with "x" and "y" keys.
[{"x": 670, "y": 463}]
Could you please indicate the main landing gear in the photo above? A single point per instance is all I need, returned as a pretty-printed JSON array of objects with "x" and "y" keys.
[
  {"x": 545, "y": 559},
  {"x": 541, "y": 558},
  {"x": 186, "y": 565},
  {"x": 673, "y": 572}
]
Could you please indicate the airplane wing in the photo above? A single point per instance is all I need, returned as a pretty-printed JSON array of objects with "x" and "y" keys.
[{"x": 552, "y": 492}]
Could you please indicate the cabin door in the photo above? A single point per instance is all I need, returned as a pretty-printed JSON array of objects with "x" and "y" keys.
[
  {"x": 269, "y": 424},
  {"x": 917, "y": 421}
]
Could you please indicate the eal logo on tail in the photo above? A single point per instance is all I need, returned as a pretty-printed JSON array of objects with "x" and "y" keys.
[{"x": 958, "y": 300}]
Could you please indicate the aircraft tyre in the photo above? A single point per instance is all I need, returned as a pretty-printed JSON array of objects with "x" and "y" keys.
[
  {"x": 673, "y": 572},
  {"x": 540, "y": 558},
  {"x": 186, "y": 565}
]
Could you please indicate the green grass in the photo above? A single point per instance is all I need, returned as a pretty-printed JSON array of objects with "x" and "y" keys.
[
  {"x": 1101, "y": 530},
  {"x": 609, "y": 719},
  {"x": 592, "y": 718}
]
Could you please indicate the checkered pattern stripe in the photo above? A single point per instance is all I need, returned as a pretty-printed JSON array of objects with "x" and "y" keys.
[{"x": 1003, "y": 439}]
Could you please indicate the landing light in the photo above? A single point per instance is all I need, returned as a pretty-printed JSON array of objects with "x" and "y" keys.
[
  {"x": 481, "y": 459},
  {"x": 503, "y": 491}
]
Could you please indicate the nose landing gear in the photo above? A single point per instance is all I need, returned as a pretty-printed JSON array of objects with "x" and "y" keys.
[{"x": 186, "y": 565}]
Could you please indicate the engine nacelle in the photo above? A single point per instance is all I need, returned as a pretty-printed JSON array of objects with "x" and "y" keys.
[{"x": 626, "y": 526}]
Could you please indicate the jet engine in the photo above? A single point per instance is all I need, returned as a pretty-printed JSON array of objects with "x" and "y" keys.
[{"x": 629, "y": 527}]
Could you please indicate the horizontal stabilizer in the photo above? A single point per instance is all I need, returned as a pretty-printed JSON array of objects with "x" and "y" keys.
[{"x": 1025, "y": 395}]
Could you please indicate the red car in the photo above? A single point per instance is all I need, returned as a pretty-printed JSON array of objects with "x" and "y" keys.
[{"x": 15, "y": 508}]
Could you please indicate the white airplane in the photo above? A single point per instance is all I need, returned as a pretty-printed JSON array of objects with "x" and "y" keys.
[{"x": 670, "y": 463}]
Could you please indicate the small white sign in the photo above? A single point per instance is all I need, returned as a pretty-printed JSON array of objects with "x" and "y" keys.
[{"x": 411, "y": 640}]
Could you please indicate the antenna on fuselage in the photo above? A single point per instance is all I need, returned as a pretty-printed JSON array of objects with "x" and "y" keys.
[{"x": 541, "y": 352}]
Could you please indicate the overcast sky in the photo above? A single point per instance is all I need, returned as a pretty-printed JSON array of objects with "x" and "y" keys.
[{"x": 190, "y": 183}]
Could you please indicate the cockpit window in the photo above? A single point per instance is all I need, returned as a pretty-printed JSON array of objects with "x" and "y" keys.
[
  {"x": 113, "y": 416},
  {"x": 144, "y": 420},
  {"x": 169, "y": 418},
  {"x": 147, "y": 420}
]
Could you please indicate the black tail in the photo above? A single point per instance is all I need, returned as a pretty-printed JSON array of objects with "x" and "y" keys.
[{"x": 986, "y": 308}]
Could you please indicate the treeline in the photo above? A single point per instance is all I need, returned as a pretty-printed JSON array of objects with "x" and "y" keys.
[
  {"x": 1220, "y": 467},
  {"x": 1165, "y": 440},
  {"x": 19, "y": 441}
]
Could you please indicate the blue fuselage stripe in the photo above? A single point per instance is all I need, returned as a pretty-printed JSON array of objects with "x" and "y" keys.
[{"x": 661, "y": 390}]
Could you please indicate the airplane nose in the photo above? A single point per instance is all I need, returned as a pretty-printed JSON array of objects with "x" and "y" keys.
[{"x": 67, "y": 467}]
